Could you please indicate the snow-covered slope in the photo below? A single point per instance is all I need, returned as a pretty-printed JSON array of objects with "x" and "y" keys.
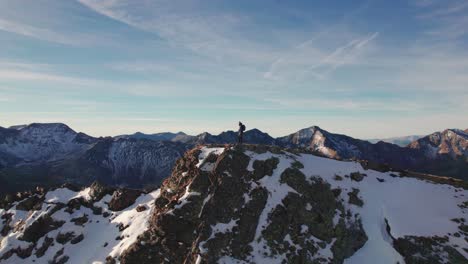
[
  {"x": 253, "y": 205},
  {"x": 65, "y": 226}
]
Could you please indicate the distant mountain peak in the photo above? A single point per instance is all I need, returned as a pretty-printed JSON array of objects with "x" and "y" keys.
[
  {"x": 458, "y": 132},
  {"x": 49, "y": 126},
  {"x": 256, "y": 130},
  {"x": 402, "y": 141},
  {"x": 452, "y": 142},
  {"x": 17, "y": 127}
]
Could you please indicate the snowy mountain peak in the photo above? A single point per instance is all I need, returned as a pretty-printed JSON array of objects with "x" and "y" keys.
[
  {"x": 39, "y": 142},
  {"x": 300, "y": 138},
  {"x": 458, "y": 132},
  {"x": 451, "y": 142}
]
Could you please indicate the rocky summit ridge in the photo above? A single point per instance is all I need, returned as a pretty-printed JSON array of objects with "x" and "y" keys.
[{"x": 255, "y": 204}]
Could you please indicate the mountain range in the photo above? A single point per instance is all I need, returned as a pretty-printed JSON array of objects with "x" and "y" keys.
[
  {"x": 250, "y": 204},
  {"x": 400, "y": 141},
  {"x": 53, "y": 153}
]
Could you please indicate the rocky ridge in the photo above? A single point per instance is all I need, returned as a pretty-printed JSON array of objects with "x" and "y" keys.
[{"x": 257, "y": 204}]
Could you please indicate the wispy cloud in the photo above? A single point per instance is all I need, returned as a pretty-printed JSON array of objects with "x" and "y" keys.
[
  {"x": 4, "y": 98},
  {"x": 37, "y": 76},
  {"x": 46, "y": 34},
  {"x": 180, "y": 58},
  {"x": 20, "y": 71},
  {"x": 205, "y": 34},
  {"x": 217, "y": 36},
  {"x": 316, "y": 62},
  {"x": 352, "y": 104},
  {"x": 449, "y": 18}
]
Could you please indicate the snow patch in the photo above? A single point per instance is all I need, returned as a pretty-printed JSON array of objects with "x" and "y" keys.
[{"x": 205, "y": 152}]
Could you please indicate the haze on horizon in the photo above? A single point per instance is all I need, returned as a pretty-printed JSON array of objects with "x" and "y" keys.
[{"x": 368, "y": 69}]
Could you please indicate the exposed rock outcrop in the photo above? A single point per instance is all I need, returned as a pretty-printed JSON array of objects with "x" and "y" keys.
[{"x": 230, "y": 210}]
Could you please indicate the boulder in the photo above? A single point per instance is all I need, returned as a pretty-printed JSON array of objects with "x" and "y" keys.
[
  {"x": 34, "y": 202},
  {"x": 98, "y": 190},
  {"x": 40, "y": 227},
  {"x": 123, "y": 198}
]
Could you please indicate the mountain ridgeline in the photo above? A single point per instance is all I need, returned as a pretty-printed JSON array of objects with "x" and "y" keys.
[{"x": 52, "y": 154}]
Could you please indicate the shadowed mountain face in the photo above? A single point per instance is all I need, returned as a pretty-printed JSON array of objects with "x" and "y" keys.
[{"x": 51, "y": 154}]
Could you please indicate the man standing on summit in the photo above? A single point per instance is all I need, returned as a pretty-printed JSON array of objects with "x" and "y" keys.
[{"x": 240, "y": 137}]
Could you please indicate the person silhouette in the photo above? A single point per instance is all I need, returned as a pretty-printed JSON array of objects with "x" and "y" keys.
[{"x": 240, "y": 135}]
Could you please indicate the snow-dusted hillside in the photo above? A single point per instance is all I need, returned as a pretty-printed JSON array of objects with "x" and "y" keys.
[
  {"x": 65, "y": 226},
  {"x": 44, "y": 142},
  {"x": 257, "y": 205},
  {"x": 140, "y": 161}
]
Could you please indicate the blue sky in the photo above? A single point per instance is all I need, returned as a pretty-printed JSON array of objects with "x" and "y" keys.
[{"x": 364, "y": 68}]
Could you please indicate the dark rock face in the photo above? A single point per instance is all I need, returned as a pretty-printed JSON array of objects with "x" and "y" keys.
[
  {"x": 262, "y": 168},
  {"x": 40, "y": 227},
  {"x": 354, "y": 198},
  {"x": 141, "y": 208},
  {"x": 77, "y": 239},
  {"x": 356, "y": 176},
  {"x": 45, "y": 245},
  {"x": 20, "y": 252},
  {"x": 80, "y": 221},
  {"x": 33, "y": 202},
  {"x": 65, "y": 237},
  {"x": 98, "y": 191},
  {"x": 123, "y": 198},
  {"x": 206, "y": 215},
  {"x": 427, "y": 250}
]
